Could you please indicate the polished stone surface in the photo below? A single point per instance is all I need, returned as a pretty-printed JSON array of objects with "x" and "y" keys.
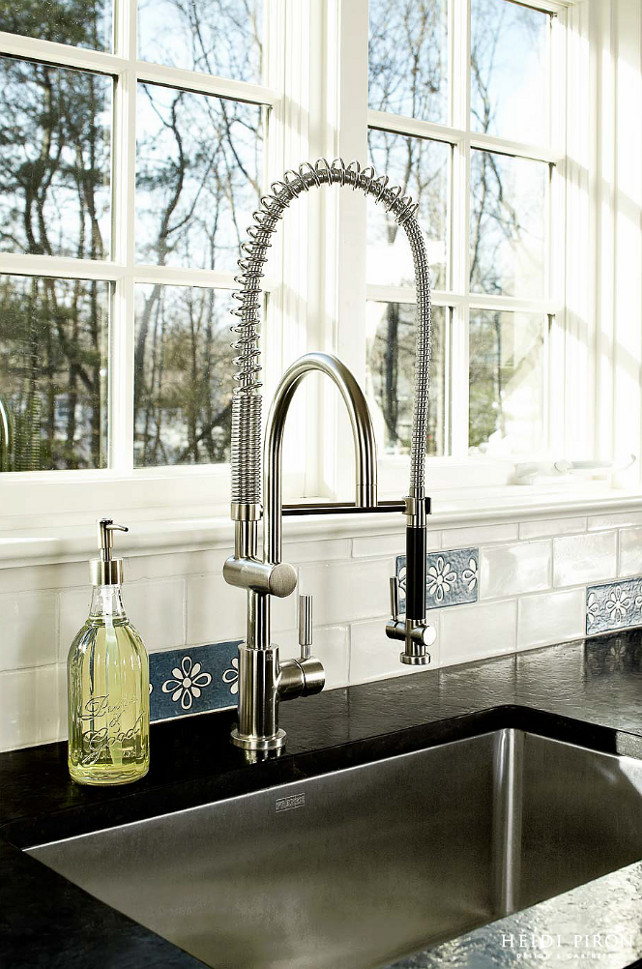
[
  {"x": 596, "y": 924},
  {"x": 588, "y": 693}
]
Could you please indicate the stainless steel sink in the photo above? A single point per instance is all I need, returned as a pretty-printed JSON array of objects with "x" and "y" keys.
[{"x": 365, "y": 865}]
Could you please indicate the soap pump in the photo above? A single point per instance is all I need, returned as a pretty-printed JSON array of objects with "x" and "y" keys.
[{"x": 108, "y": 681}]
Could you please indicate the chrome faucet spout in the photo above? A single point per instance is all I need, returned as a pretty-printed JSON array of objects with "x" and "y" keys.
[
  {"x": 362, "y": 431},
  {"x": 263, "y": 680}
]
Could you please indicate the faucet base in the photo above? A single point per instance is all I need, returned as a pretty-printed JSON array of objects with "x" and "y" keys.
[
  {"x": 415, "y": 660},
  {"x": 256, "y": 743}
]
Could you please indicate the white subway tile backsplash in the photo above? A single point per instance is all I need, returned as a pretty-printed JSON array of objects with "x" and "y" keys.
[
  {"x": 554, "y": 617},
  {"x": 179, "y": 599},
  {"x": 616, "y": 520},
  {"x": 329, "y": 551},
  {"x": 74, "y": 609},
  {"x": 28, "y": 629},
  {"x": 164, "y": 565},
  {"x": 375, "y": 657},
  {"x": 630, "y": 551},
  {"x": 157, "y": 610},
  {"x": 348, "y": 591},
  {"x": 507, "y": 570},
  {"x": 578, "y": 559},
  {"x": 216, "y": 611},
  {"x": 473, "y": 632},
  {"x": 378, "y": 545},
  {"x": 33, "y": 706},
  {"x": 31, "y": 578},
  {"x": 541, "y": 528},
  {"x": 479, "y": 535}
]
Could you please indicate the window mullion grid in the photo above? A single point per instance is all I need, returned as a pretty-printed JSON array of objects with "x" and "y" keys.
[
  {"x": 201, "y": 83},
  {"x": 121, "y": 384},
  {"x": 406, "y": 294},
  {"x": 558, "y": 381},
  {"x": 120, "y": 269},
  {"x": 458, "y": 376},
  {"x": 346, "y": 222},
  {"x": 60, "y": 55},
  {"x": 137, "y": 72}
]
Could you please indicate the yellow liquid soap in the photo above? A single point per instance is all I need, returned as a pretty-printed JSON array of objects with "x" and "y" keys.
[{"x": 108, "y": 682}]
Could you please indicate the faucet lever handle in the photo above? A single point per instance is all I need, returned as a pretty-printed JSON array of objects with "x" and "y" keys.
[
  {"x": 305, "y": 625},
  {"x": 394, "y": 598}
]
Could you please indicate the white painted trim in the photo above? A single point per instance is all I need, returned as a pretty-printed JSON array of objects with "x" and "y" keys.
[
  {"x": 463, "y": 140},
  {"x": 347, "y": 220},
  {"x": 331, "y": 118},
  {"x": 52, "y": 494},
  {"x": 145, "y": 71},
  {"x": 75, "y": 543},
  {"x": 68, "y": 268},
  {"x": 200, "y": 83},
  {"x": 19, "y": 264},
  {"x": 440, "y": 297},
  {"x": 548, "y": 6},
  {"x": 405, "y": 125},
  {"x": 62, "y": 55},
  {"x": 515, "y": 148},
  {"x": 627, "y": 314}
]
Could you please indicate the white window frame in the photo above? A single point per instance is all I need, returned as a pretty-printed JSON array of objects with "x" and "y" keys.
[
  {"x": 33, "y": 498},
  {"x": 352, "y": 120},
  {"x": 317, "y": 93}
]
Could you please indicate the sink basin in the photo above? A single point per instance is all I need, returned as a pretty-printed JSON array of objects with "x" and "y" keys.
[{"x": 362, "y": 866}]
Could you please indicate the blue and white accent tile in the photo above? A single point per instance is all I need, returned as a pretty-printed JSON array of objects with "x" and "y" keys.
[
  {"x": 452, "y": 578},
  {"x": 193, "y": 679},
  {"x": 613, "y": 605}
]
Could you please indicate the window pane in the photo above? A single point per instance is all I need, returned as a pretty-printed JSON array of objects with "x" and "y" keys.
[
  {"x": 390, "y": 376},
  {"x": 183, "y": 376},
  {"x": 197, "y": 177},
  {"x": 223, "y": 37},
  {"x": 509, "y": 66},
  {"x": 408, "y": 58},
  {"x": 507, "y": 381},
  {"x": 55, "y": 129},
  {"x": 421, "y": 167},
  {"x": 508, "y": 225},
  {"x": 80, "y": 23},
  {"x": 53, "y": 371}
]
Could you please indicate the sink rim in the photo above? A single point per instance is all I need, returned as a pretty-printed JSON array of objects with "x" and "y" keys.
[
  {"x": 498, "y": 738},
  {"x": 365, "y": 765},
  {"x": 137, "y": 802}
]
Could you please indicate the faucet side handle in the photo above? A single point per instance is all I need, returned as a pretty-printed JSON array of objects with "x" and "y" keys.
[
  {"x": 395, "y": 627},
  {"x": 303, "y": 676},
  {"x": 417, "y": 636},
  {"x": 394, "y": 598},
  {"x": 305, "y": 625}
]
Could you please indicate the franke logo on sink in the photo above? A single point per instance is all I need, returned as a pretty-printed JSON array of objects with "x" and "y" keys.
[{"x": 291, "y": 802}]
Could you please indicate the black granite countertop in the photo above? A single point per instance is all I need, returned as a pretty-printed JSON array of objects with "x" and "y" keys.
[{"x": 588, "y": 693}]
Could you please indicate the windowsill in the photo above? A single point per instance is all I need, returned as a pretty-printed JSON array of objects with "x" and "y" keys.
[{"x": 466, "y": 507}]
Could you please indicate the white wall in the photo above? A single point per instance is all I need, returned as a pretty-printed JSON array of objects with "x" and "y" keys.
[
  {"x": 533, "y": 570},
  {"x": 533, "y": 577}
]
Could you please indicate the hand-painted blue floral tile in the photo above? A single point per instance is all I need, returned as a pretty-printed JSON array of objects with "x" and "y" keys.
[
  {"x": 193, "y": 679},
  {"x": 451, "y": 578},
  {"x": 613, "y": 605}
]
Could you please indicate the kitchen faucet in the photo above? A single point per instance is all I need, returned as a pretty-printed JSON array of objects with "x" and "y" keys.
[{"x": 263, "y": 679}]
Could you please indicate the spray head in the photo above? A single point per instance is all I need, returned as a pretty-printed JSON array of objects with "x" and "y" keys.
[{"x": 107, "y": 570}]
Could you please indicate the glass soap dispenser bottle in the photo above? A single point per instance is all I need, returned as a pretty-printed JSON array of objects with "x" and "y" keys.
[{"x": 108, "y": 682}]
